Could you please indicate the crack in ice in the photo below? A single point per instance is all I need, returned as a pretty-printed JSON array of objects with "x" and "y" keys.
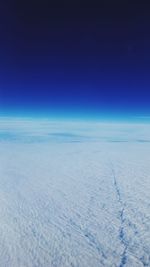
[
  {"x": 92, "y": 240},
  {"x": 122, "y": 219}
]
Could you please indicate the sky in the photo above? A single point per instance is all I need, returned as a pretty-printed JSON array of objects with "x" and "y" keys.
[{"x": 68, "y": 58}]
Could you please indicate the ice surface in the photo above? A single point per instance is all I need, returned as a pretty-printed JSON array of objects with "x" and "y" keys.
[{"x": 74, "y": 194}]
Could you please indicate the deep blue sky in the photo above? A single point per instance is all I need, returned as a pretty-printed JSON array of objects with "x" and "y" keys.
[{"x": 70, "y": 58}]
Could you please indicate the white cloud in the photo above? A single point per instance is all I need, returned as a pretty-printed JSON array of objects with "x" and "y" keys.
[{"x": 68, "y": 203}]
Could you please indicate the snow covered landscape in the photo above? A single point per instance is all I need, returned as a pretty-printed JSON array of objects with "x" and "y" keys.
[{"x": 74, "y": 194}]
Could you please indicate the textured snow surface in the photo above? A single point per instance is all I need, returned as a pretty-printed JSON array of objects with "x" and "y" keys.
[{"x": 74, "y": 194}]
